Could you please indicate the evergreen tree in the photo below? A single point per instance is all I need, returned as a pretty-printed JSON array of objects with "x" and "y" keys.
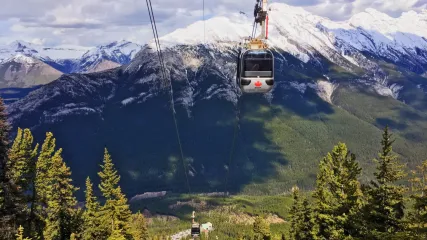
[
  {"x": 418, "y": 215},
  {"x": 22, "y": 159},
  {"x": 338, "y": 195},
  {"x": 20, "y": 234},
  {"x": 91, "y": 225},
  {"x": 60, "y": 200},
  {"x": 302, "y": 221},
  {"x": 384, "y": 211},
  {"x": 115, "y": 213},
  {"x": 21, "y": 163},
  {"x": 43, "y": 166},
  {"x": 39, "y": 202},
  {"x": 138, "y": 226},
  {"x": 117, "y": 234},
  {"x": 261, "y": 229},
  {"x": 306, "y": 228},
  {"x": 9, "y": 191},
  {"x": 295, "y": 214}
]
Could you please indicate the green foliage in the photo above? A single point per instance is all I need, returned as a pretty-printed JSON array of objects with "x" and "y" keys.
[
  {"x": 109, "y": 177},
  {"x": 261, "y": 229},
  {"x": 307, "y": 228},
  {"x": 20, "y": 234},
  {"x": 138, "y": 227},
  {"x": 336, "y": 213},
  {"x": 384, "y": 210},
  {"x": 60, "y": 200},
  {"x": 43, "y": 165},
  {"x": 9, "y": 191},
  {"x": 91, "y": 223},
  {"x": 22, "y": 159},
  {"x": 338, "y": 194},
  {"x": 117, "y": 234},
  {"x": 73, "y": 236},
  {"x": 41, "y": 181},
  {"x": 418, "y": 215},
  {"x": 114, "y": 214},
  {"x": 295, "y": 214}
]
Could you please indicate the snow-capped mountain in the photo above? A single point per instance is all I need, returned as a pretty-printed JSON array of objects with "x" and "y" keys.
[
  {"x": 117, "y": 52},
  {"x": 304, "y": 35},
  {"x": 72, "y": 59},
  {"x": 25, "y": 71},
  {"x": 334, "y": 81},
  {"x": 40, "y": 52},
  {"x": 58, "y": 60}
]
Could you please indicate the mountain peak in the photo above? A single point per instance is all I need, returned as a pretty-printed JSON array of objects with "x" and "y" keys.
[
  {"x": 17, "y": 43},
  {"x": 21, "y": 58},
  {"x": 217, "y": 29},
  {"x": 231, "y": 28}
]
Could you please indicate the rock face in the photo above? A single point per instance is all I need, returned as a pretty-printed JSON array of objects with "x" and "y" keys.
[
  {"x": 22, "y": 71},
  {"x": 102, "y": 66},
  {"x": 334, "y": 82}
]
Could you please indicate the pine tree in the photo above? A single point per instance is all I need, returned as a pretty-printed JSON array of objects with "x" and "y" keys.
[
  {"x": 261, "y": 229},
  {"x": 43, "y": 165},
  {"x": 60, "y": 200},
  {"x": 9, "y": 191},
  {"x": 307, "y": 230},
  {"x": 91, "y": 225},
  {"x": 302, "y": 221},
  {"x": 22, "y": 159},
  {"x": 138, "y": 226},
  {"x": 338, "y": 195},
  {"x": 117, "y": 234},
  {"x": 38, "y": 199},
  {"x": 21, "y": 163},
  {"x": 418, "y": 214},
  {"x": 115, "y": 213},
  {"x": 295, "y": 214},
  {"x": 20, "y": 234},
  {"x": 384, "y": 211}
]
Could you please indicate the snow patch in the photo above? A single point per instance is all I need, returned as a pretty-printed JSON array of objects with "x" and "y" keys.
[
  {"x": 127, "y": 101},
  {"x": 65, "y": 112},
  {"x": 22, "y": 59}
]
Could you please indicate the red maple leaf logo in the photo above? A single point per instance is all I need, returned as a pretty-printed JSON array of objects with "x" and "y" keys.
[{"x": 258, "y": 84}]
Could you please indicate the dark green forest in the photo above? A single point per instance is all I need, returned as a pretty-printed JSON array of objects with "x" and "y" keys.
[{"x": 38, "y": 199}]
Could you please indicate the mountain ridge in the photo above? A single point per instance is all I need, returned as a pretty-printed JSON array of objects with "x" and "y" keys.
[{"x": 319, "y": 98}]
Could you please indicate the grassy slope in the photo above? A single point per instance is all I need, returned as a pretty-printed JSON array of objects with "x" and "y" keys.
[
  {"x": 221, "y": 212},
  {"x": 302, "y": 129}
]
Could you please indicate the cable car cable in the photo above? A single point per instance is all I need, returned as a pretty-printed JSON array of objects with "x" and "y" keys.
[
  {"x": 163, "y": 68},
  {"x": 204, "y": 25}
]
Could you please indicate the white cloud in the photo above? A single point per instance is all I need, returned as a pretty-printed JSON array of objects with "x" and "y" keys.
[{"x": 92, "y": 22}]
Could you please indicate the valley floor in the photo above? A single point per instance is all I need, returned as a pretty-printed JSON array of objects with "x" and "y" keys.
[{"x": 230, "y": 216}]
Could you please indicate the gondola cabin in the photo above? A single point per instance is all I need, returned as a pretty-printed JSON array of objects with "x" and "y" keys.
[
  {"x": 195, "y": 230},
  {"x": 255, "y": 71}
]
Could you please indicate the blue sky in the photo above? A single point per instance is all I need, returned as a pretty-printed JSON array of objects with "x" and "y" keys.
[{"x": 93, "y": 22}]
